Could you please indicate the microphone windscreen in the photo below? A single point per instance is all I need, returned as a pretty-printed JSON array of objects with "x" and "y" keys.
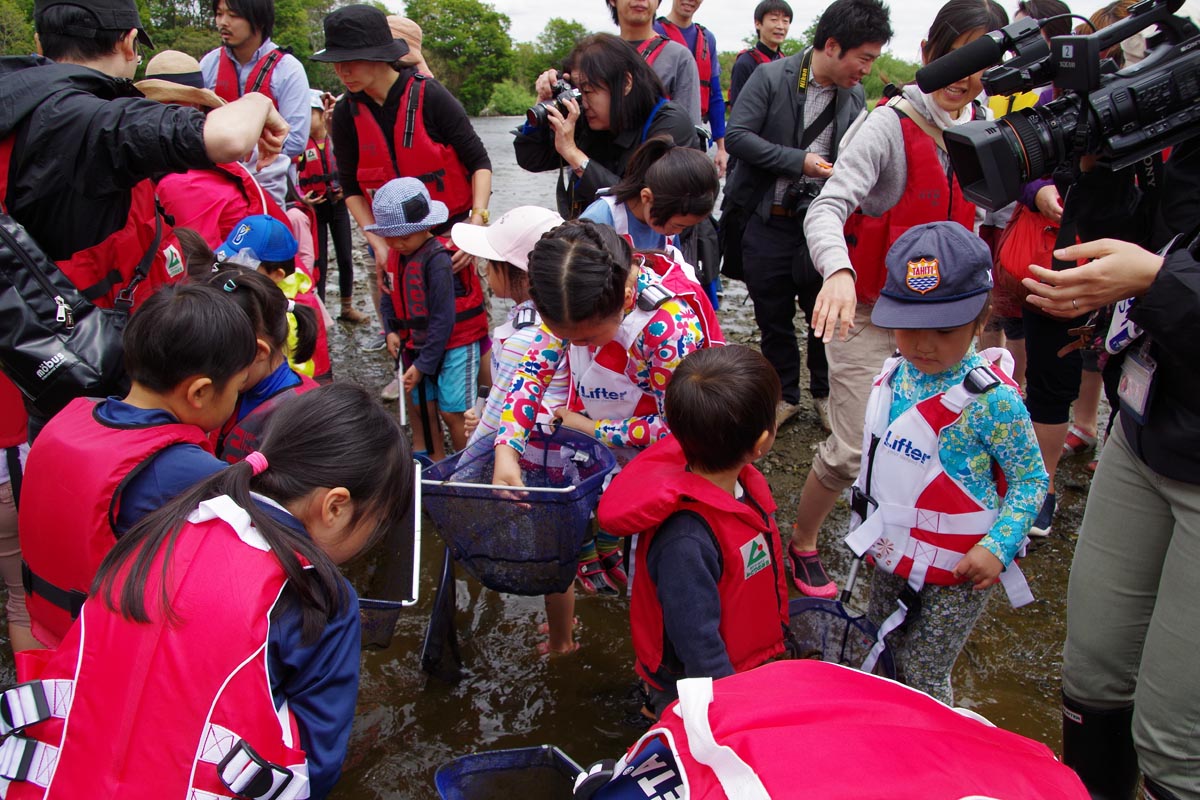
[{"x": 958, "y": 64}]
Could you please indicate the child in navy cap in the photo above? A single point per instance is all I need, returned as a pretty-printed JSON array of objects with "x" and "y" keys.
[
  {"x": 434, "y": 316},
  {"x": 951, "y": 476}
]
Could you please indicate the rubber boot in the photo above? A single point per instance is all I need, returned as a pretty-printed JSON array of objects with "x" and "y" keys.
[
  {"x": 1155, "y": 792},
  {"x": 1098, "y": 745}
]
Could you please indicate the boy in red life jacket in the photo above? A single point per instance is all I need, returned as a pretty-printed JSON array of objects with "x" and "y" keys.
[
  {"x": 264, "y": 243},
  {"x": 951, "y": 476},
  {"x": 99, "y": 467},
  {"x": 434, "y": 316},
  {"x": 709, "y": 592}
]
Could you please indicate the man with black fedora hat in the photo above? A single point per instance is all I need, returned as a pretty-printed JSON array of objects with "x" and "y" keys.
[
  {"x": 396, "y": 123},
  {"x": 79, "y": 144}
]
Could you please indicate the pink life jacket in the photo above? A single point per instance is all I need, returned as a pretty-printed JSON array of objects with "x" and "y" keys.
[
  {"x": 212, "y": 201},
  {"x": 599, "y": 382},
  {"x": 916, "y": 520},
  {"x": 259, "y": 80},
  {"x": 65, "y": 536},
  {"x": 863, "y": 738},
  {"x": 185, "y": 711}
]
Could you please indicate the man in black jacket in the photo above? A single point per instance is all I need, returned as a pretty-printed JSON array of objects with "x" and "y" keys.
[{"x": 784, "y": 133}]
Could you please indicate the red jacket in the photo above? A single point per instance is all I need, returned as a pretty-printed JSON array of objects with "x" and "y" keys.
[
  {"x": 105, "y": 269},
  {"x": 64, "y": 537},
  {"x": 259, "y": 79},
  {"x": 753, "y": 587},
  {"x": 931, "y": 193},
  {"x": 859, "y": 737},
  {"x": 412, "y": 313},
  {"x": 150, "y": 710},
  {"x": 415, "y": 155},
  {"x": 212, "y": 201},
  {"x": 704, "y": 57}
]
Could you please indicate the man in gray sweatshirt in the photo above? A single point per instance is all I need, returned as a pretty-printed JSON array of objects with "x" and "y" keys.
[
  {"x": 784, "y": 132},
  {"x": 671, "y": 61}
]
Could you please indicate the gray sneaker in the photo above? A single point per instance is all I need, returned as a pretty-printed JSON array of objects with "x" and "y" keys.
[
  {"x": 821, "y": 405},
  {"x": 375, "y": 343}
]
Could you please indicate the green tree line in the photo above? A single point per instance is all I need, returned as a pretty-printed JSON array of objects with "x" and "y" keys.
[{"x": 466, "y": 44}]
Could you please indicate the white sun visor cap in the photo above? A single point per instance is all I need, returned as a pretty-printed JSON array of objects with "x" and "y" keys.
[{"x": 510, "y": 239}]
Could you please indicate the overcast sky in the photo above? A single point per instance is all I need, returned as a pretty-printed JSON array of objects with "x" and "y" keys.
[{"x": 732, "y": 20}]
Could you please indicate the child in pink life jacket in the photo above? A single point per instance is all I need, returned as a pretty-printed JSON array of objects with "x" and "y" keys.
[
  {"x": 222, "y": 635},
  {"x": 271, "y": 380},
  {"x": 709, "y": 596},
  {"x": 434, "y": 316},
  {"x": 622, "y": 322},
  {"x": 266, "y": 244},
  {"x": 951, "y": 475},
  {"x": 98, "y": 467}
]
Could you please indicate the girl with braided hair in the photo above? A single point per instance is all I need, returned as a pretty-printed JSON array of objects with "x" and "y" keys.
[{"x": 623, "y": 320}]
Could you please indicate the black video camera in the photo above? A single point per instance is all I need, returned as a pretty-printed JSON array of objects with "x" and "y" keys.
[
  {"x": 1122, "y": 116},
  {"x": 560, "y": 91}
]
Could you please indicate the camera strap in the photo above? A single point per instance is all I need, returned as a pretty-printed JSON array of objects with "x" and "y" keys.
[{"x": 823, "y": 121}]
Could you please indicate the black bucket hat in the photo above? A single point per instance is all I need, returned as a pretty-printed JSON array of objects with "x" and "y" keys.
[
  {"x": 359, "y": 33},
  {"x": 109, "y": 15}
]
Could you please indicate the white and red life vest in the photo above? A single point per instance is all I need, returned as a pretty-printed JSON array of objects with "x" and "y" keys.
[
  {"x": 64, "y": 537},
  {"x": 228, "y": 88},
  {"x": 600, "y": 384},
  {"x": 620, "y": 217},
  {"x": 317, "y": 167},
  {"x": 415, "y": 153},
  {"x": 109, "y": 270},
  {"x": 862, "y": 737},
  {"x": 701, "y": 52},
  {"x": 913, "y": 517},
  {"x": 752, "y": 587},
  {"x": 409, "y": 299},
  {"x": 238, "y": 438},
  {"x": 931, "y": 194},
  {"x": 213, "y": 201},
  {"x": 177, "y": 707}
]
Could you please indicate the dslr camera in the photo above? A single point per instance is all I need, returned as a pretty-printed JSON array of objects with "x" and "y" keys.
[
  {"x": 560, "y": 91},
  {"x": 1121, "y": 116},
  {"x": 799, "y": 195}
]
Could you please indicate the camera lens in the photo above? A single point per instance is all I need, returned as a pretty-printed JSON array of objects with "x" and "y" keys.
[{"x": 536, "y": 115}]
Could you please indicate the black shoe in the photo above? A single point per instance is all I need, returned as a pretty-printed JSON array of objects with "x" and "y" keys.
[{"x": 1098, "y": 745}]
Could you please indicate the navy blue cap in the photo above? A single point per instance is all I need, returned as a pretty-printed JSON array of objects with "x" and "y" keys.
[
  {"x": 938, "y": 276},
  {"x": 261, "y": 238}
]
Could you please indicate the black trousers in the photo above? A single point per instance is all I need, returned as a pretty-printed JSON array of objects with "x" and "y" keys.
[
  {"x": 780, "y": 275},
  {"x": 334, "y": 217}
]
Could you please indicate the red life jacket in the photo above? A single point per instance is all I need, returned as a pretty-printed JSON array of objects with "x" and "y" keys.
[
  {"x": 186, "y": 702},
  {"x": 413, "y": 154},
  {"x": 930, "y": 195},
  {"x": 106, "y": 269},
  {"x": 704, "y": 57},
  {"x": 238, "y": 438},
  {"x": 863, "y": 737},
  {"x": 759, "y": 56},
  {"x": 14, "y": 421},
  {"x": 600, "y": 384},
  {"x": 408, "y": 298},
  {"x": 752, "y": 587},
  {"x": 64, "y": 537},
  {"x": 259, "y": 80},
  {"x": 212, "y": 201},
  {"x": 317, "y": 167},
  {"x": 651, "y": 49}
]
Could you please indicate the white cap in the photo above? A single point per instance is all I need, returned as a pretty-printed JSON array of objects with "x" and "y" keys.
[{"x": 510, "y": 239}]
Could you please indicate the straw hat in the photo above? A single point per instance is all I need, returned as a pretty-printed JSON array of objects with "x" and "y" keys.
[{"x": 174, "y": 77}]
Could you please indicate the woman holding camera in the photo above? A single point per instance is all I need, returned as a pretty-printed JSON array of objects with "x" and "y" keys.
[
  {"x": 1131, "y": 690},
  {"x": 396, "y": 123},
  {"x": 621, "y": 103}
]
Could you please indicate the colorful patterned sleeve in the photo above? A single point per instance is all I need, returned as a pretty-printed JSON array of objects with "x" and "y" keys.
[
  {"x": 533, "y": 374},
  {"x": 1005, "y": 431},
  {"x": 672, "y": 333}
]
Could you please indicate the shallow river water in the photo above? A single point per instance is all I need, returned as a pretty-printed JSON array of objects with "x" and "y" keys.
[{"x": 409, "y": 724}]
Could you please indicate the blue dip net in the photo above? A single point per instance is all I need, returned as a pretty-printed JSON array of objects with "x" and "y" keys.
[
  {"x": 526, "y": 773},
  {"x": 521, "y": 541},
  {"x": 829, "y": 631}
]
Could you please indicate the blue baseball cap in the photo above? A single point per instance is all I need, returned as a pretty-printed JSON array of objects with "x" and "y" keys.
[
  {"x": 938, "y": 276},
  {"x": 258, "y": 238},
  {"x": 402, "y": 206}
]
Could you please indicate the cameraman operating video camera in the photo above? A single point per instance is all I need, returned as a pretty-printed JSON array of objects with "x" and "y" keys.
[{"x": 1131, "y": 690}]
